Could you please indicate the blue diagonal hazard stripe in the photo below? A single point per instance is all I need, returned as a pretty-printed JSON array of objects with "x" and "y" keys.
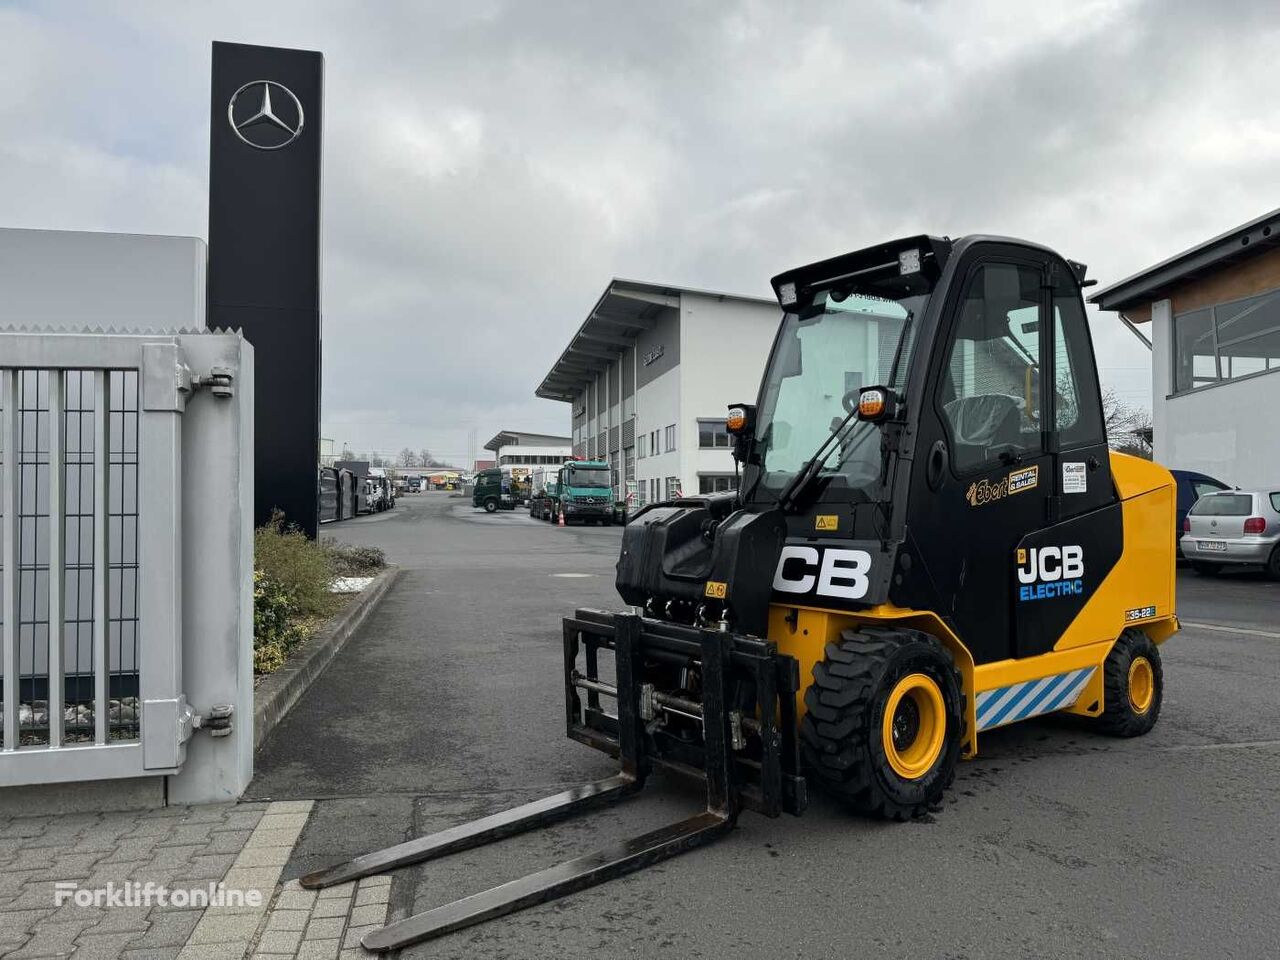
[{"x": 1030, "y": 698}]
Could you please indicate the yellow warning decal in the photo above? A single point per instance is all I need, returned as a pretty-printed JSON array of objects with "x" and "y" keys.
[
  {"x": 826, "y": 521},
  {"x": 716, "y": 589}
]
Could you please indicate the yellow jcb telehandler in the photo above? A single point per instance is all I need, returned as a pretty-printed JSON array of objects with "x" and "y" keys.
[{"x": 930, "y": 539}]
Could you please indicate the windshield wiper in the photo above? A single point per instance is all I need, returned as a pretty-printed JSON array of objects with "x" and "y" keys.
[{"x": 790, "y": 494}]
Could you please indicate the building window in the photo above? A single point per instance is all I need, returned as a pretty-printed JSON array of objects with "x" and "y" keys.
[
  {"x": 673, "y": 485},
  {"x": 669, "y": 440},
  {"x": 717, "y": 483},
  {"x": 653, "y": 443},
  {"x": 1226, "y": 341},
  {"x": 1195, "y": 363},
  {"x": 712, "y": 434},
  {"x": 642, "y": 446}
]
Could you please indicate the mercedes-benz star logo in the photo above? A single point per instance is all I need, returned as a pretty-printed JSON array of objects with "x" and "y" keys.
[{"x": 261, "y": 121}]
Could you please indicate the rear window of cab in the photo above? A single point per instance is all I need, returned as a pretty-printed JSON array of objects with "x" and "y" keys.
[
  {"x": 1275, "y": 502},
  {"x": 1225, "y": 505}
]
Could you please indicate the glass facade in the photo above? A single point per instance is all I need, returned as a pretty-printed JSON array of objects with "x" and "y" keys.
[{"x": 1226, "y": 341}]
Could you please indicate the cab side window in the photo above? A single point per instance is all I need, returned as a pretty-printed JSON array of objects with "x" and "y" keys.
[
  {"x": 990, "y": 393},
  {"x": 1077, "y": 408}
]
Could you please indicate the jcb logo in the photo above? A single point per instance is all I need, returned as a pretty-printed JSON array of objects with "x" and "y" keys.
[
  {"x": 1046, "y": 572},
  {"x": 830, "y": 573}
]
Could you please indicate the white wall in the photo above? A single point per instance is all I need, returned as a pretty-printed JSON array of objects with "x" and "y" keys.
[
  {"x": 62, "y": 279},
  {"x": 1224, "y": 430},
  {"x": 657, "y": 405},
  {"x": 724, "y": 345}
]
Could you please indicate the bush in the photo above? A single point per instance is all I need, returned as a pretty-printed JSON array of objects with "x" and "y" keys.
[
  {"x": 275, "y": 631},
  {"x": 291, "y": 580},
  {"x": 348, "y": 560},
  {"x": 299, "y": 567}
]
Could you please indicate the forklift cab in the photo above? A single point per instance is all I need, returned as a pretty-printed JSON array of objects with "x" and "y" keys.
[{"x": 992, "y": 439}]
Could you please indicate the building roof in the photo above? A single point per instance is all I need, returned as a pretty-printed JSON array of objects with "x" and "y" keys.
[
  {"x": 1156, "y": 282},
  {"x": 625, "y": 309},
  {"x": 518, "y": 438}
]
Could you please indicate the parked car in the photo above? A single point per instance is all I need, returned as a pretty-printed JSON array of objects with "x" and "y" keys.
[
  {"x": 1233, "y": 527},
  {"x": 1191, "y": 486}
]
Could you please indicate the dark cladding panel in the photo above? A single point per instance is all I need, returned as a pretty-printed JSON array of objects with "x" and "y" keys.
[
  {"x": 615, "y": 382},
  {"x": 264, "y": 255},
  {"x": 659, "y": 347},
  {"x": 628, "y": 372}
]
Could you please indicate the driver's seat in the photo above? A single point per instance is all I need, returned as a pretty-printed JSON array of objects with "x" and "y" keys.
[{"x": 984, "y": 422}]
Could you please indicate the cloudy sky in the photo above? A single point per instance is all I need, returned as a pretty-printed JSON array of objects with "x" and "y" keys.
[{"x": 490, "y": 165}]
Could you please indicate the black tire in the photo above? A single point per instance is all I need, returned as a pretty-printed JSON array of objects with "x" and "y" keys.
[
  {"x": 1128, "y": 710},
  {"x": 1273, "y": 564},
  {"x": 1205, "y": 569},
  {"x": 490, "y": 505},
  {"x": 843, "y": 731}
]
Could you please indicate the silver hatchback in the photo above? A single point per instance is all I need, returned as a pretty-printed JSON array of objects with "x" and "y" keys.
[{"x": 1236, "y": 527}]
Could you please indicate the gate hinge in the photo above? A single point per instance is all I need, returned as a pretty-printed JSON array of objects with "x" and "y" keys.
[
  {"x": 217, "y": 721},
  {"x": 218, "y": 380}
]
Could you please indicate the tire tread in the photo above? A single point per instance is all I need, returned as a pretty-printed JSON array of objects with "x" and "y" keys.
[{"x": 834, "y": 734}]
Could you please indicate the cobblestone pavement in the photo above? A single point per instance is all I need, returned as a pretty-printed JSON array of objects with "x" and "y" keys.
[{"x": 51, "y": 867}]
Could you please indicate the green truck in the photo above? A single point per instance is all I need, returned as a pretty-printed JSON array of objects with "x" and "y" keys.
[
  {"x": 582, "y": 488},
  {"x": 493, "y": 491}
]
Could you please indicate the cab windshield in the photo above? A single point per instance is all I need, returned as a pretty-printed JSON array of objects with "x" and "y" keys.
[
  {"x": 826, "y": 353},
  {"x": 587, "y": 477}
]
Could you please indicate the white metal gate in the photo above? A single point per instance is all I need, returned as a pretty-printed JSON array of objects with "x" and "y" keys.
[{"x": 91, "y": 557}]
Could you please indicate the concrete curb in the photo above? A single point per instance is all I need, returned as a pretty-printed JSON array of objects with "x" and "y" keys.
[{"x": 277, "y": 694}]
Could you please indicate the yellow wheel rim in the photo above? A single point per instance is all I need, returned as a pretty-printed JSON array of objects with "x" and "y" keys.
[
  {"x": 1142, "y": 685},
  {"x": 914, "y": 726}
]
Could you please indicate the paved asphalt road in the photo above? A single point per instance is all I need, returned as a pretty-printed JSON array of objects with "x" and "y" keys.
[{"x": 1054, "y": 843}]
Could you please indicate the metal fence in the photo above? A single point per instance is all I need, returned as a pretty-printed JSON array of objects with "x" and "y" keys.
[{"x": 90, "y": 557}]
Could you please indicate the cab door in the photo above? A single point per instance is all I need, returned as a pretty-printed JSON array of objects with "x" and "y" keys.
[
  {"x": 1059, "y": 568},
  {"x": 984, "y": 472},
  {"x": 1082, "y": 463}
]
